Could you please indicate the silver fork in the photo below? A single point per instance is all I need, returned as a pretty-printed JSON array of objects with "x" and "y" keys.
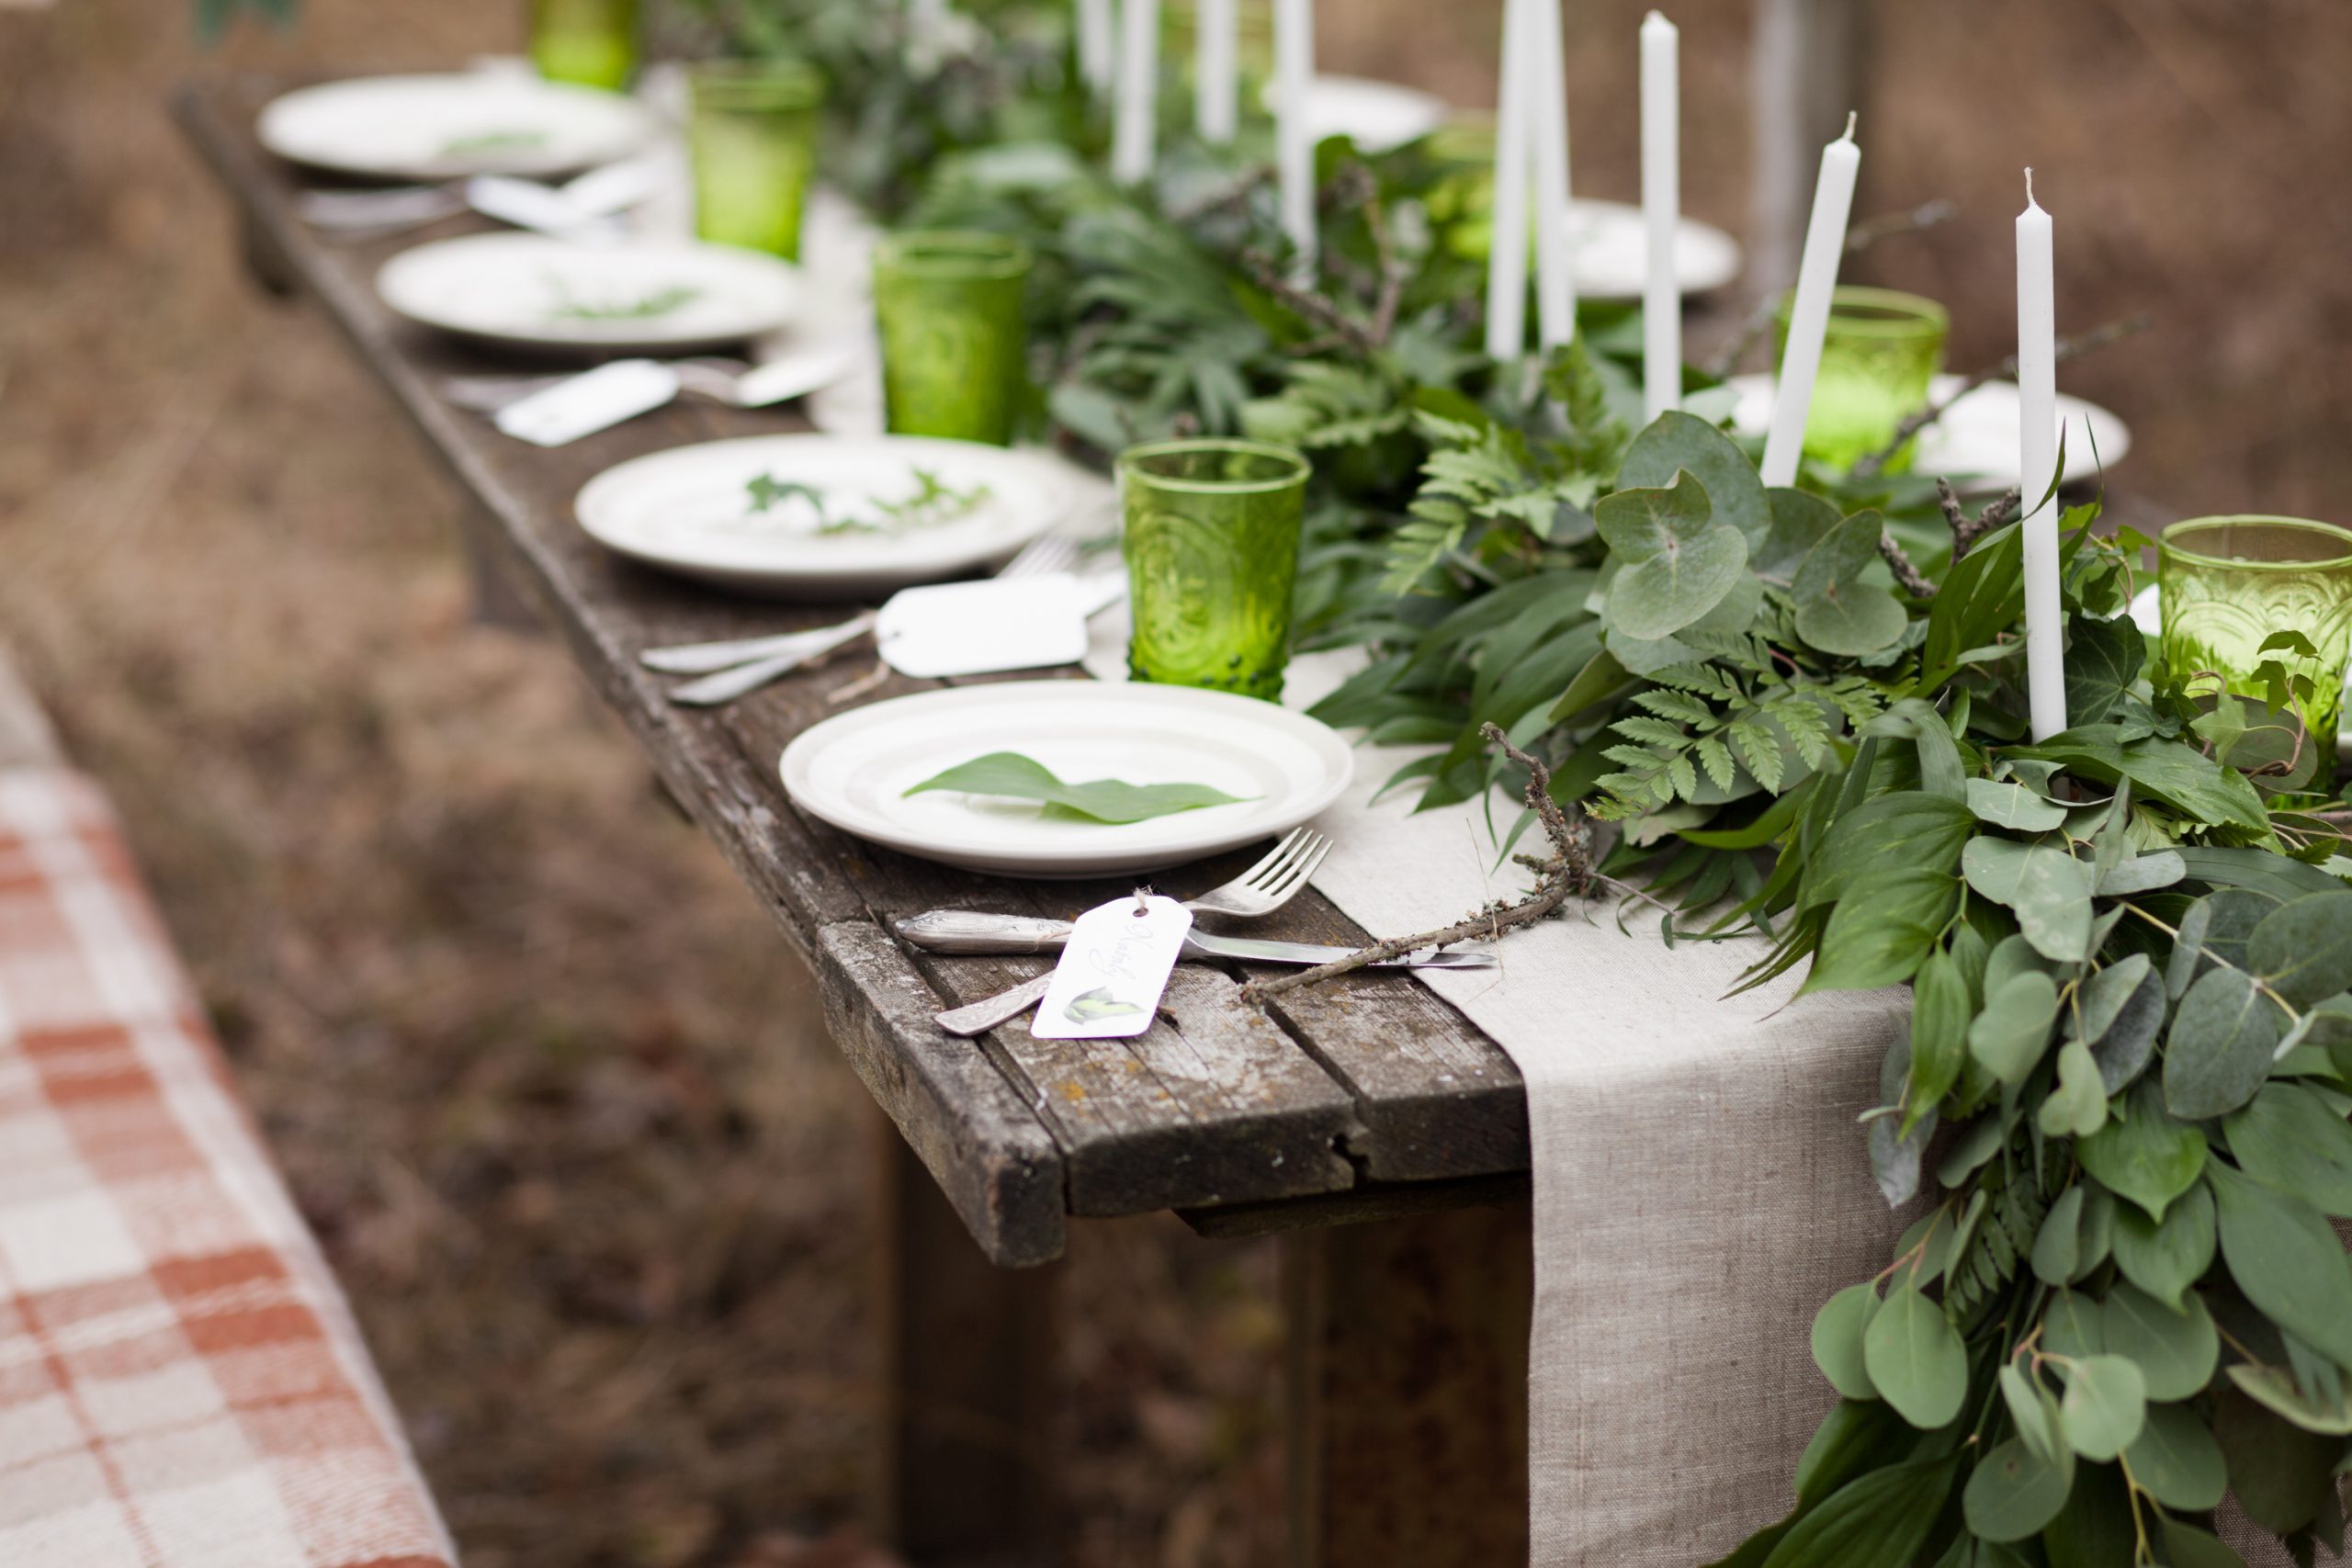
[
  {"x": 1276, "y": 879},
  {"x": 745, "y": 664}
]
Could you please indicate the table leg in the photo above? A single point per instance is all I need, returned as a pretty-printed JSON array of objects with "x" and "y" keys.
[
  {"x": 266, "y": 263},
  {"x": 1407, "y": 1390},
  {"x": 967, "y": 1367}
]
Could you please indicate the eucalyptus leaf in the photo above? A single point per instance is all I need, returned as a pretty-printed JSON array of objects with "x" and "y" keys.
[
  {"x": 2176, "y": 1351},
  {"x": 2074, "y": 1325},
  {"x": 2176, "y": 1459},
  {"x": 2274, "y": 1389},
  {"x": 1678, "y": 562},
  {"x": 2166, "y": 1258},
  {"x": 2106, "y": 1404},
  {"x": 2290, "y": 1139},
  {"x": 1677, "y": 442},
  {"x": 2187, "y": 949},
  {"x": 2127, "y": 1042},
  {"x": 2144, "y": 1154},
  {"x": 2009, "y": 1037},
  {"x": 1016, "y": 777},
  {"x": 2287, "y": 1260},
  {"x": 2012, "y": 1496},
  {"x": 2281, "y": 1475},
  {"x": 1800, "y": 519},
  {"x": 2186, "y": 1546},
  {"x": 2048, "y": 889},
  {"x": 2219, "y": 1051},
  {"x": 2143, "y": 874},
  {"x": 1916, "y": 1358},
  {"x": 1838, "y": 1331},
  {"x": 2303, "y": 950},
  {"x": 1837, "y": 612},
  {"x": 2075, "y": 1106},
  {"x": 2033, "y": 1412},
  {"x": 2014, "y": 806},
  {"x": 2057, "y": 1245}
]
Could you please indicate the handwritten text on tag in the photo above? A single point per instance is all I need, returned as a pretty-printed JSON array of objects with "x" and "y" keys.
[{"x": 1111, "y": 976}]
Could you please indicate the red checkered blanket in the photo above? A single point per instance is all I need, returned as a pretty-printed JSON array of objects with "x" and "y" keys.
[{"x": 180, "y": 1381}]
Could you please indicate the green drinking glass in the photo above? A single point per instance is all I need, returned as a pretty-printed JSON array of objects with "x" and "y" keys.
[
  {"x": 951, "y": 305},
  {"x": 1880, "y": 354},
  {"x": 2231, "y": 583},
  {"x": 753, "y": 138},
  {"x": 1211, "y": 538},
  {"x": 592, "y": 43}
]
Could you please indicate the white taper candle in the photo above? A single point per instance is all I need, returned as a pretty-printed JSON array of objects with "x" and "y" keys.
[
  {"x": 2045, "y": 634},
  {"x": 1133, "y": 137},
  {"x": 1506, "y": 242},
  {"x": 1294, "y": 129},
  {"x": 1824, "y": 246},
  {"x": 1662, "y": 214},
  {"x": 1216, "y": 90},
  {"x": 1556, "y": 290},
  {"x": 1098, "y": 44}
]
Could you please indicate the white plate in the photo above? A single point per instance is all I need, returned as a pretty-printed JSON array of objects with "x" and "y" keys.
[
  {"x": 853, "y": 772},
  {"x": 529, "y": 289},
  {"x": 1378, "y": 116},
  {"x": 1609, "y": 252},
  {"x": 441, "y": 127},
  {"x": 687, "y": 511},
  {"x": 1977, "y": 436}
]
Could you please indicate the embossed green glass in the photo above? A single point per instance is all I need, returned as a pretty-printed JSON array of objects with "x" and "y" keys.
[
  {"x": 592, "y": 43},
  {"x": 1880, "y": 351},
  {"x": 1210, "y": 537},
  {"x": 955, "y": 335},
  {"x": 2229, "y": 584},
  {"x": 753, "y": 134}
]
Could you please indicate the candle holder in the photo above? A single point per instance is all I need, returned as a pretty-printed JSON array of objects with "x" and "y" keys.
[
  {"x": 950, "y": 304},
  {"x": 1882, "y": 351},
  {"x": 591, "y": 43},
  {"x": 753, "y": 134},
  {"x": 1211, "y": 538},
  {"x": 2228, "y": 584}
]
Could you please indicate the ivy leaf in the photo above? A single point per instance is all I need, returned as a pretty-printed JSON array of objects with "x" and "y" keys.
[
  {"x": 2176, "y": 1351},
  {"x": 2012, "y": 1494},
  {"x": 1916, "y": 1358},
  {"x": 2009, "y": 1037},
  {"x": 2178, "y": 1462},
  {"x": 2219, "y": 1051},
  {"x": 1678, "y": 442},
  {"x": 2144, "y": 1154},
  {"x": 2076, "y": 1106},
  {"x": 2013, "y": 806},
  {"x": 1838, "y": 1332},
  {"x": 2047, "y": 888},
  {"x": 2181, "y": 776},
  {"x": 2166, "y": 1256},
  {"x": 2103, "y": 660},
  {"x": 2287, "y": 1262},
  {"x": 2303, "y": 950},
  {"x": 1836, "y": 611},
  {"x": 2106, "y": 1404},
  {"x": 1678, "y": 565},
  {"x": 2290, "y": 1139},
  {"x": 1015, "y": 776}
]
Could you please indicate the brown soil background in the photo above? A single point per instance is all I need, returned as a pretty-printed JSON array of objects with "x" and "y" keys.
[{"x": 555, "y": 1096}]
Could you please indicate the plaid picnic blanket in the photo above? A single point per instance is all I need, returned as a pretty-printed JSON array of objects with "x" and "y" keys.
[{"x": 180, "y": 1380}]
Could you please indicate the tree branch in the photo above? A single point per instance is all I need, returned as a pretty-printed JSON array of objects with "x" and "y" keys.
[
  {"x": 1913, "y": 581},
  {"x": 1570, "y": 872},
  {"x": 1966, "y": 530}
]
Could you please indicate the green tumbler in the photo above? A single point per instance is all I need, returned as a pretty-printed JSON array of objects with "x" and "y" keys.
[
  {"x": 591, "y": 43},
  {"x": 951, "y": 306},
  {"x": 1211, "y": 534},
  {"x": 753, "y": 138}
]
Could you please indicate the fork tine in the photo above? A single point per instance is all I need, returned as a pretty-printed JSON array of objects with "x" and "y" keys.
[
  {"x": 1308, "y": 863},
  {"x": 1298, "y": 846},
  {"x": 1047, "y": 552},
  {"x": 1271, "y": 861},
  {"x": 1286, "y": 883}
]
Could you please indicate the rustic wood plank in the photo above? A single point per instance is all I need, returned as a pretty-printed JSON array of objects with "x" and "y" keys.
[
  {"x": 1406, "y": 1383},
  {"x": 1357, "y": 1206},
  {"x": 26, "y": 739}
]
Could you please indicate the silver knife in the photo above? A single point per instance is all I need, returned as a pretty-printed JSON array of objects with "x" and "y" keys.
[{"x": 958, "y": 930}]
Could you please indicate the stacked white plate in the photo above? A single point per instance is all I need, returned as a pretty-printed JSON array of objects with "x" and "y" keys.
[{"x": 449, "y": 127}]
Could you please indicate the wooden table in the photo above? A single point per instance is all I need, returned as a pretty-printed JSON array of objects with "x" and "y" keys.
[{"x": 1367, "y": 1099}]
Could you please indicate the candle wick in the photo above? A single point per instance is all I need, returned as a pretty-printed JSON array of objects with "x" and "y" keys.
[
  {"x": 2028, "y": 189},
  {"x": 1851, "y": 116}
]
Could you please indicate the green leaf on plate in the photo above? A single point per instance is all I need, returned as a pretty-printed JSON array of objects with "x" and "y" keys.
[
  {"x": 1016, "y": 777},
  {"x": 1916, "y": 1358},
  {"x": 2048, "y": 889},
  {"x": 2287, "y": 1261},
  {"x": 2166, "y": 1258},
  {"x": 2106, "y": 1404},
  {"x": 2144, "y": 1154},
  {"x": 2176, "y": 1459},
  {"x": 2290, "y": 1139},
  {"x": 2176, "y": 1351},
  {"x": 2013, "y": 1494},
  {"x": 2219, "y": 1051}
]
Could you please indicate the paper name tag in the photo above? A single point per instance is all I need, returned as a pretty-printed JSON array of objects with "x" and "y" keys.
[
  {"x": 1112, "y": 974},
  {"x": 586, "y": 404},
  {"x": 976, "y": 628}
]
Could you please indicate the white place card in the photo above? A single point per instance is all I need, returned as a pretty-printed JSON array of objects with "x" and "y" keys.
[
  {"x": 1110, "y": 979},
  {"x": 585, "y": 404}
]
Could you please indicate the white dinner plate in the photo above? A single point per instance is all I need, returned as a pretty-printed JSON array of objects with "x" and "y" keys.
[
  {"x": 853, "y": 772},
  {"x": 1377, "y": 116},
  {"x": 649, "y": 296},
  {"x": 1609, "y": 252},
  {"x": 1977, "y": 436},
  {"x": 442, "y": 128},
  {"x": 690, "y": 510}
]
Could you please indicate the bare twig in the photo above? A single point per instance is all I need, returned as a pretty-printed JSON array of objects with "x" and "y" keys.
[
  {"x": 2068, "y": 348},
  {"x": 1886, "y": 226},
  {"x": 1337, "y": 330},
  {"x": 1570, "y": 872},
  {"x": 1998, "y": 512},
  {"x": 1913, "y": 581},
  {"x": 1383, "y": 287},
  {"x": 1232, "y": 200}
]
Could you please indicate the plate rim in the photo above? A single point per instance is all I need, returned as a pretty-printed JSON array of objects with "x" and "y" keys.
[
  {"x": 1735, "y": 254},
  {"x": 1338, "y": 754},
  {"x": 1946, "y": 379},
  {"x": 1065, "y": 503},
  {"x": 268, "y": 127},
  {"x": 397, "y": 266}
]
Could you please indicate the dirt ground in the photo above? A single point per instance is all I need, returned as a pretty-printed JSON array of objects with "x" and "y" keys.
[{"x": 591, "y": 1173}]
